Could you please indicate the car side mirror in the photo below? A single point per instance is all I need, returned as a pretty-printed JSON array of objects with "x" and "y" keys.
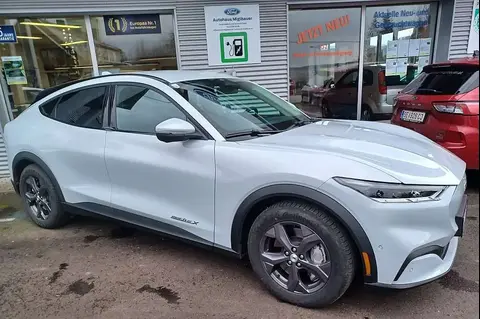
[{"x": 176, "y": 130}]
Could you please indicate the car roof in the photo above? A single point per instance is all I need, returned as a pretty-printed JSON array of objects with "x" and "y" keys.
[
  {"x": 179, "y": 76},
  {"x": 469, "y": 61},
  {"x": 164, "y": 76}
]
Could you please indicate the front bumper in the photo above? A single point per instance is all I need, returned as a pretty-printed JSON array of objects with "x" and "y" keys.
[{"x": 413, "y": 243}]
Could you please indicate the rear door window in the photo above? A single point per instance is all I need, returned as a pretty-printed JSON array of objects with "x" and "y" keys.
[{"x": 444, "y": 80}]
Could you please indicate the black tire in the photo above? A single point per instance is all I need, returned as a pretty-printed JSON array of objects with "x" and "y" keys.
[
  {"x": 325, "y": 110},
  {"x": 57, "y": 217},
  {"x": 341, "y": 251},
  {"x": 367, "y": 114}
]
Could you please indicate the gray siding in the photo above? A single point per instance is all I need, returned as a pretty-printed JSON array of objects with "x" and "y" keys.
[{"x": 462, "y": 17}]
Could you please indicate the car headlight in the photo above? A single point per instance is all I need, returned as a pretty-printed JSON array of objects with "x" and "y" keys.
[{"x": 389, "y": 192}]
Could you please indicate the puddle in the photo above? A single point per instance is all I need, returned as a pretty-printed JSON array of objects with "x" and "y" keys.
[
  {"x": 58, "y": 273},
  {"x": 80, "y": 287},
  {"x": 454, "y": 281},
  {"x": 169, "y": 295}
]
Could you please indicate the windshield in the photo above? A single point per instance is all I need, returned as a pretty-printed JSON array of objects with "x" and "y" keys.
[{"x": 235, "y": 105}]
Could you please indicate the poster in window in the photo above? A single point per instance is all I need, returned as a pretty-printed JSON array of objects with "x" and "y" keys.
[
  {"x": 392, "y": 48},
  {"x": 14, "y": 70},
  {"x": 425, "y": 46},
  {"x": 414, "y": 47},
  {"x": 402, "y": 48}
]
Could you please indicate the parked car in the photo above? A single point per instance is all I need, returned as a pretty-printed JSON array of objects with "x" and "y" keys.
[
  {"x": 226, "y": 164},
  {"x": 442, "y": 104},
  {"x": 378, "y": 93}
]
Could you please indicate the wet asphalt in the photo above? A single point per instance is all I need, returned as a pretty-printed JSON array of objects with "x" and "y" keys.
[{"x": 99, "y": 269}]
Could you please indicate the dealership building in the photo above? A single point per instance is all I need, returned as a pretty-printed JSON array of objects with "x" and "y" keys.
[{"x": 297, "y": 49}]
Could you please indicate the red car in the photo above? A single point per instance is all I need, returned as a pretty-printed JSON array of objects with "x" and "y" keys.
[{"x": 442, "y": 104}]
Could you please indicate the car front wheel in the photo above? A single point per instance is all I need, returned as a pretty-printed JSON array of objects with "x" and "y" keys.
[
  {"x": 40, "y": 198},
  {"x": 301, "y": 254}
]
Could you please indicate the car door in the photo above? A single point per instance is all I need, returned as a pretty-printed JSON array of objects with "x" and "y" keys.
[
  {"x": 168, "y": 187},
  {"x": 342, "y": 99},
  {"x": 73, "y": 144}
]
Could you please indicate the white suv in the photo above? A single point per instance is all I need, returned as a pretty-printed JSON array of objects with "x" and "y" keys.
[{"x": 224, "y": 163}]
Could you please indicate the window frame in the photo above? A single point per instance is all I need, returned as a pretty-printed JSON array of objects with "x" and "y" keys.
[
  {"x": 112, "y": 110},
  {"x": 59, "y": 97}
]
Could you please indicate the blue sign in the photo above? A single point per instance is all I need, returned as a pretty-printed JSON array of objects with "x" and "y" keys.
[
  {"x": 231, "y": 11},
  {"x": 132, "y": 24},
  {"x": 7, "y": 34}
]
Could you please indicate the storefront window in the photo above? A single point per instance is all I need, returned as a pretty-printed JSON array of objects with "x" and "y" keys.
[
  {"x": 141, "y": 42},
  {"x": 48, "y": 52},
  {"x": 398, "y": 44},
  {"x": 324, "y": 56}
]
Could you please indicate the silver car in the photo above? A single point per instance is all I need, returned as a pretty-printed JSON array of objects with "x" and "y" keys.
[{"x": 225, "y": 164}]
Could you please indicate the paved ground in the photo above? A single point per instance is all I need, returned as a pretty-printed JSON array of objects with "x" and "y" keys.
[{"x": 93, "y": 269}]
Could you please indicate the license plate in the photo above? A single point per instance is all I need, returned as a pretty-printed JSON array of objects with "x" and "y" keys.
[{"x": 412, "y": 116}]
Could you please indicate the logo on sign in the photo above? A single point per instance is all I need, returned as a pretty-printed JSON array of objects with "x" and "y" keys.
[{"x": 231, "y": 11}]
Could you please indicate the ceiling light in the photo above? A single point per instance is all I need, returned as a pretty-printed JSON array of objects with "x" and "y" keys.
[
  {"x": 74, "y": 42},
  {"x": 44, "y": 24},
  {"x": 28, "y": 37}
]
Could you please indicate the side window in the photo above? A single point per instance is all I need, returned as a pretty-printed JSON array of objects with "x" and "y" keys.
[
  {"x": 47, "y": 108},
  {"x": 367, "y": 77},
  {"x": 349, "y": 80},
  {"x": 139, "y": 109},
  {"x": 81, "y": 108}
]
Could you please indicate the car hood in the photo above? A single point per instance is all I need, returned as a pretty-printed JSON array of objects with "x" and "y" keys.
[{"x": 403, "y": 154}]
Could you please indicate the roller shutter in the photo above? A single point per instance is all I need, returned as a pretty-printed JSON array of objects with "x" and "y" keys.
[{"x": 462, "y": 17}]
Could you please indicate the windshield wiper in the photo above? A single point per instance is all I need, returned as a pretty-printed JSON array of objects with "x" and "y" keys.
[
  {"x": 252, "y": 133},
  {"x": 304, "y": 122}
]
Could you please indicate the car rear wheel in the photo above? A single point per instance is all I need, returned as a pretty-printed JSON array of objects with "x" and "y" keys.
[
  {"x": 301, "y": 254},
  {"x": 40, "y": 198},
  {"x": 367, "y": 114}
]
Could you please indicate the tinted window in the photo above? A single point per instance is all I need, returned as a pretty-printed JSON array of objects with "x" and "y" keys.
[
  {"x": 82, "y": 108},
  {"x": 444, "y": 79},
  {"x": 140, "y": 109},
  {"x": 48, "y": 107},
  {"x": 367, "y": 77},
  {"x": 349, "y": 80}
]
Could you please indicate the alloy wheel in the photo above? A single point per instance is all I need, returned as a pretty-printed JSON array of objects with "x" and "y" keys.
[
  {"x": 37, "y": 198},
  {"x": 295, "y": 257}
]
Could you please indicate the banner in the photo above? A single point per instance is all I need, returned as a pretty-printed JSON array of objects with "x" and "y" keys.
[
  {"x": 7, "y": 34},
  {"x": 473, "y": 39},
  {"x": 132, "y": 24}
]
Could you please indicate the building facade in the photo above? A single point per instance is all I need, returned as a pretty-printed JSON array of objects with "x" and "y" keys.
[{"x": 298, "y": 49}]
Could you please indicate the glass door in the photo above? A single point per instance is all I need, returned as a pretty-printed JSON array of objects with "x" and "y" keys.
[
  {"x": 324, "y": 48},
  {"x": 398, "y": 44}
]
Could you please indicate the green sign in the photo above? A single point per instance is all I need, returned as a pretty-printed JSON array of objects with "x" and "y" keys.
[{"x": 234, "y": 47}]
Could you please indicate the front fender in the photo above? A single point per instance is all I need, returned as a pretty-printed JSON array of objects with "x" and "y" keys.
[{"x": 346, "y": 219}]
